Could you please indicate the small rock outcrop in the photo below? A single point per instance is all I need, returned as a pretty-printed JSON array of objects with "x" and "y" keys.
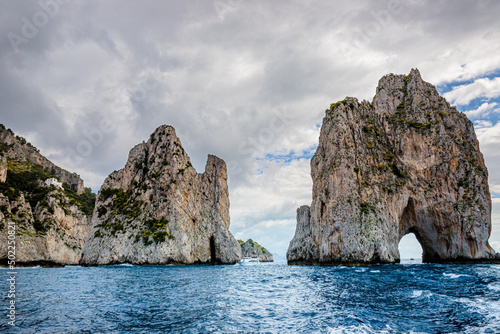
[
  {"x": 405, "y": 163},
  {"x": 252, "y": 249},
  {"x": 50, "y": 223},
  {"x": 158, "y": 210}
]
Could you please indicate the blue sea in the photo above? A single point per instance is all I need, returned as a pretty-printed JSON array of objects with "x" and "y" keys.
[{"x": 261, "y": 298}]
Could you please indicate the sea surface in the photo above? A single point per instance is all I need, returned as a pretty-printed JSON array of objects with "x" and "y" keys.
[{"x": 261, "y": 298}]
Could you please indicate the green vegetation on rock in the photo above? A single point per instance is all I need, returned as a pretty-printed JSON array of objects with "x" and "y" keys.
[
  {"x": 123, "y": 203},
  {"x": 252, "y": 248}
]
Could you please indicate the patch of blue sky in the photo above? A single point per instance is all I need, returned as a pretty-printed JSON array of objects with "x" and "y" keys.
[
  {"x": 492, "y": 115},
  {"x": 476, "y": 103},
  {"x": 290, "y": 156},
  {"x": 446, "y": 87}
]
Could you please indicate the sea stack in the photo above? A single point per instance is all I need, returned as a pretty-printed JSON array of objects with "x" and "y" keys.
[
  {"x": 158, "y": 210},
  {"x": 405, "y": 163}
]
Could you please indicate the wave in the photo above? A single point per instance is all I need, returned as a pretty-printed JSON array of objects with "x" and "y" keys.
[{"x": 452, "y": 276}]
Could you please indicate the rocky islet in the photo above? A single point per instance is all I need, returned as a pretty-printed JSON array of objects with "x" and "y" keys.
[
  {"x": 159, "y": 210},
  {"x": 407, "y": 162}
]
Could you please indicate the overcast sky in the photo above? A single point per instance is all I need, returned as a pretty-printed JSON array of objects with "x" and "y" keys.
[{"x": 248, "y": 81}]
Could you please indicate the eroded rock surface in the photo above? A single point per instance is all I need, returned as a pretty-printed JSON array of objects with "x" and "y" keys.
[
  {"x": 158, "y": 210},
  {"x": 405, "y": 163},
  {"x": 49, "y": 224},
  {"x": 18, "y": 149}
]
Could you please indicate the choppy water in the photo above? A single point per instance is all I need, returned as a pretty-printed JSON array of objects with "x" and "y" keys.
[{"x": 264, "y": 298}]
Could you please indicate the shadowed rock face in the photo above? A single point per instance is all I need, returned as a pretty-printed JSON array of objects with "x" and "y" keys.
[
  {"x": 158, "y": 210},
  {"x": 405, "y": 163}
]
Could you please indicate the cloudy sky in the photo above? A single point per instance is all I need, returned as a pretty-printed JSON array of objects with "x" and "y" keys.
[{"x": 248, "y": 81}]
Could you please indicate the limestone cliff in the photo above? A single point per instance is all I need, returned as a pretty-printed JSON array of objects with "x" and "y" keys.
[
  {"x": 17, "y": 148},
  {"x": 3, "y": 168},
  {"x": 405, "y": 163},
  {"x": 50, "y": 223},
  {"x": 158, "y": 210},
  {"x": 251, "y": 248}
]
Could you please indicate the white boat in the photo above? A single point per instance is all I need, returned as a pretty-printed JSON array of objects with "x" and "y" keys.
[{"x": 248, "y": 260}]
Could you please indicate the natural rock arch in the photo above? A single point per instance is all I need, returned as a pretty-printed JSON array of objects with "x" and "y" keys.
[
  {"x": 409, "y": 223},
  {"x": 405, "y": 163},
  {"x": 409, "y": 247}
]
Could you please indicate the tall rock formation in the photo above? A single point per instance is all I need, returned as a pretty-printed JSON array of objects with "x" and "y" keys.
[
  {"x": 405, "y": 163},
  {"x": 158, "y": 210},
  {"x": 50, "y": 223}
]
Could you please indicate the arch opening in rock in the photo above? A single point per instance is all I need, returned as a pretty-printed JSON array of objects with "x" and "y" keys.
[
  {"x": 418, "y": 221},
  {"x": 410, "y": 248}
]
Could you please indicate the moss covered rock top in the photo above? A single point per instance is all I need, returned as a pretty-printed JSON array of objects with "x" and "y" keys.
[{"x": 253, "y": 249}]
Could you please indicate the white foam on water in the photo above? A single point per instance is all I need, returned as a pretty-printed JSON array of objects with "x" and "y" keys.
[
  {"x": 417, "y": 293},
  {"x": 420, "y": 293},
  {"x": 374, "y": 271},
  {"x": 490, "y": 310},
  {"x": 453, "y": 275},
  {"x": 361, "y": 329}
]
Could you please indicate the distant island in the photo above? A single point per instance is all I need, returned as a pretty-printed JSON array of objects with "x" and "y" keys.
[{"x": 252, "y": 249}]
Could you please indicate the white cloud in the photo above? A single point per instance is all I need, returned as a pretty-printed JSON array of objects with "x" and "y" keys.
[
  {"x": 489, "y": 142},
  {"x": 265, "y": 207},
  {"x": 482, "y": 111},
  {"x": 495, "y": 230},
  {"x": 480, "y": 88},
  {"x": 482, "y": 126}
]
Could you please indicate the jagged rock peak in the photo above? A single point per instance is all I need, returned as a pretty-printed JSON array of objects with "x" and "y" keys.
[
  {"x": 158, "y": 210},
  {"x": 405, "y": 163}
]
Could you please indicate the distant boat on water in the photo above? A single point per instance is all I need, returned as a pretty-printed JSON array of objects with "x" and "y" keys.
[{"x": 249, "y": 260}]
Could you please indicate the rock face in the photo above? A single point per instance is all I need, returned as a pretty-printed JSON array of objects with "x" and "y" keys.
[
  {"x": 251, "y": 248},
  {"x": 158, "y": 210},
  {"x": 3, "y": 169},
  {"x": 17, "y": 148},
  {"x": 405, "y": 163},
  {"x": 50, "y": 224},
  {"x": 53, "y": 233}
]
